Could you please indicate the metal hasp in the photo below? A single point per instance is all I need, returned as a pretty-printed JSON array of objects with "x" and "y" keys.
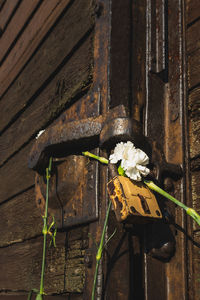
[
  {"x": 75, "y": 179},
  {"x": 66, "y": 138},
  {"x": 133, "y": 202}
]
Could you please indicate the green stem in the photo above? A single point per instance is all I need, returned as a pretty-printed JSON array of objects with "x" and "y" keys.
[
  {"x": 95, "y": 279},
  {"x": 44, "y": 231},
  {"x": 100, "y": 249},
  {"x": 103, "y": 160},
  {"x": 190, "y": 211},
  {"x": 155, "y": 188}
]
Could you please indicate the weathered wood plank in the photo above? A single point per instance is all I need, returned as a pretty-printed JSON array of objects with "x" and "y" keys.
[
  {"x": 77, "y": 242},
  {"x": 138, "y": 59},
  {"x": 194, "y": 138},
  {"x": 194, "y": 102},
  {"x": 196, "y": 267},
  {"x": 194, "y": 123},
  {"x": 20, "y": 219},
  {"x": 17, "y": 165},
  {"x": 6, "y": 12},
  {"x": 60, "y": 43},
  {"x": 20, "y": 18},
  {"x": 24, "y": 272},
  {"x": 192, "y": 10},
  {"x": 25, "y": 46},
  {"x": 65, "y": 271},
  {"x": 120, "y": 74},
  {"x": 15, "y": 176},
  {"x": 195, "y": 177},
  {"x": 68, "y": 83},
  {"x": 193, "y": 37},
  {"x": 2, "y": 2},
  {"x": 193, "y": 68}
]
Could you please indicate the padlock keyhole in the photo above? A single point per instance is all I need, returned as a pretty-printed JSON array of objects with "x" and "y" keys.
[{"x": 144, "y": 204}]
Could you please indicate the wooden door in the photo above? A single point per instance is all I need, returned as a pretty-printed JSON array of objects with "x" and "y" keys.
[
  {"x": 46, "y": 66},
  {"x": 63, "y": 62}
]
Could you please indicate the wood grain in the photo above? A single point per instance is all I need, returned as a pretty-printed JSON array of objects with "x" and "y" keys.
[
  {"x": 192, "y": 10},
  {"x": 196, "y": 266},
  {"x": 64, "y": 264},
  {"x": 15, "y": 26},
  {"x": 2, "y": 3},
  {"x": 60, "y": 43},
  {"x": 194, "y": 138},
  {"x": 120, "y": 74},
  {"x": 29, "y": 40},
  {"x": 20, "y": 219},
  {"x": 194, "y": 123},
  {"x": 72, "y": 79},
  {"x": 193, "y": 69},
  {"x": 195, "y": 177},
  {"x": 15, "y": 176},
  {"x": 6, "y": 12},
  {"x": 194, "y": 102},
  {"x": 24, "y": 259},
  {"x": 193, "y": 37}
]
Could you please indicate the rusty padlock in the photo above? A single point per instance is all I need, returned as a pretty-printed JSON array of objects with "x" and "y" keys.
[{"x": 133, "y": 202}]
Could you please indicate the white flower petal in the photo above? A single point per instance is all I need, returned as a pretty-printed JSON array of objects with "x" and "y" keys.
[
  {"x": 113, "y": 159},
  {"x": 142, "y": 158},
  {"x": 143, "y": 170},
  {"x": 133, "y": 160},
  {"x": 118, "y": 153},
  {"x": 134, "y": 174}
]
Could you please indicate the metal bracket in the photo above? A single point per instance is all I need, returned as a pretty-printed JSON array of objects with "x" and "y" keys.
[
  {"x": 160, "y": 167},
  {"x": 66, "y": 138}
]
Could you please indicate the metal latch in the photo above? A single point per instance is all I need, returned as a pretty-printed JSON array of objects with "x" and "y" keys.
[
  {"x": 67, "y": 138},
  {"x": 133, "y": 202},
  {"x": 74, "y": 179}
]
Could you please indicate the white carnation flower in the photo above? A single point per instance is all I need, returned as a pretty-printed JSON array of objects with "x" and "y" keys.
[
  {"x": 121, "y": 151},
  {"x": 133, "y": 160}
]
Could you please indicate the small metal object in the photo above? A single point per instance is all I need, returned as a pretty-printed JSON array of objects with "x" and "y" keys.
[
  {"x": 133, "y": 202},
  {"x": 161, "y": 168}
]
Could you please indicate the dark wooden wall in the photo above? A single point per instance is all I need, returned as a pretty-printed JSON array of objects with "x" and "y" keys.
[
  {"x": 46, "y": 65},
  {"x": 46, "y": 57},
  {"x": 193, "y": 69}
]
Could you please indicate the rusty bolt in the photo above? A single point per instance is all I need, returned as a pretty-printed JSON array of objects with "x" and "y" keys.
[{"x": 166, "y": 251}]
